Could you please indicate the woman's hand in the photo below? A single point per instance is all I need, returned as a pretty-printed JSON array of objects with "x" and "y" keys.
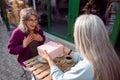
[
  {"x": 37, "y": 37},
  {"x": 46, "y": 56},
  {"x": 27, "y": 40}
]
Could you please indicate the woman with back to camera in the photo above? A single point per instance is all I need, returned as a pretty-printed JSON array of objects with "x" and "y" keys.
[
  {"x": 26, "y": 37},
  {"x": 95, "y": 59}
]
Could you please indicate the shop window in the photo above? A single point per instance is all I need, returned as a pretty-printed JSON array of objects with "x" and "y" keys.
[
  {"x": 110, "y": 15},
  {"x": 41, "y": 7},
  {"x": 105, "y": 9},
  {"x": 13, "y": 8},
  {"x": 117, "y": 45}
]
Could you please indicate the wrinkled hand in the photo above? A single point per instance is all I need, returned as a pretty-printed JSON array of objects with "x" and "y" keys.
[
  {"x": 45, "y": 55},
  {"x": 27, "y": 40}
]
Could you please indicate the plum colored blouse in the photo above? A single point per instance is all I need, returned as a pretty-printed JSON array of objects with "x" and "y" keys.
[{"x": 15, "y": 45}]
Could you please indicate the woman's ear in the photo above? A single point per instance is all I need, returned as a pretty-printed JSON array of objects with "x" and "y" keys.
[{"x": 25, "y": 23}]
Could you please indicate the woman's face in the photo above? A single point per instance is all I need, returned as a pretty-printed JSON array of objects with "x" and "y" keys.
[{"x": 32, "y": 22}]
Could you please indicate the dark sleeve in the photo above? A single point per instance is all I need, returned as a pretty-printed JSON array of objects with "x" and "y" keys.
[
  {"x": 42, "y": 35},
  {"x": 15, "y": 43}
]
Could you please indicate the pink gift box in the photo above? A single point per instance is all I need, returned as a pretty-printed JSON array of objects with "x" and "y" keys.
[{"x": 53, "y": 48}]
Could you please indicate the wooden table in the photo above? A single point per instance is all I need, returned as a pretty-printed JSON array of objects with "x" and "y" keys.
[{"x": 42, "y": 71}]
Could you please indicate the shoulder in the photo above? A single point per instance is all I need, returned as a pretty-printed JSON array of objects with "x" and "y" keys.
[
  {"x": 17, "y": 32},
  {"x": 40, "y": 30},
  {"x": 86, "y": 64},
  {"x": 83, "y": 65},
  {"x": 84, "y": 70}
]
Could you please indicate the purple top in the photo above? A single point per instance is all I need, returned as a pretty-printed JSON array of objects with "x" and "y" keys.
[{"x": 15, "y": 45}]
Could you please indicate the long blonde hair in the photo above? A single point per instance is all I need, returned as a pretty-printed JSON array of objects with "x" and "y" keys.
[
  {"x": 92, "y": 41},
  {"x": 24, "y": 15}
]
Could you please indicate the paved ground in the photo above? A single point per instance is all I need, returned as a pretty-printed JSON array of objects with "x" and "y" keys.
[{"x": 9, "y": 68}]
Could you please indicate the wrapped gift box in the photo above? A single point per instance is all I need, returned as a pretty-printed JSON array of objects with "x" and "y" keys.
[{"x": 53, "y": 48}]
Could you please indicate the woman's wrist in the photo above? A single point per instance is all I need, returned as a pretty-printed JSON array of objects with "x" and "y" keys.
[
  {"x": 51, "y": 62},
  {"x": 23, "y": 46}
]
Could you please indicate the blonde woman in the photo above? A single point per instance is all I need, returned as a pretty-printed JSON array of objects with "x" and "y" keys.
[
  {"x": 26, "y": 37},
  {"x": 95, "y": 59}
]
